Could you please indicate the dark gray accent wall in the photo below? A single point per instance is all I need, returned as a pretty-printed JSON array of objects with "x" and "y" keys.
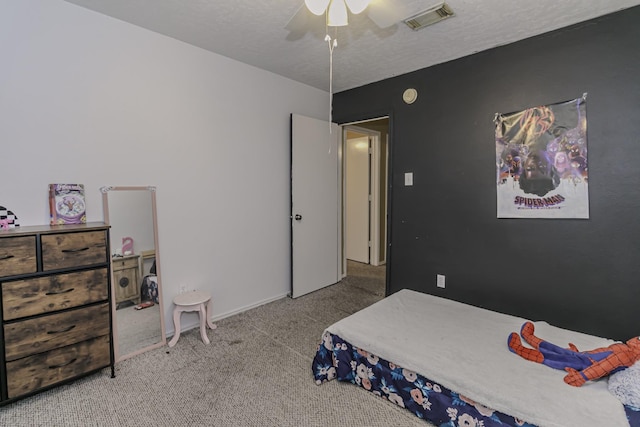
[{"x": 578, "y": 274}]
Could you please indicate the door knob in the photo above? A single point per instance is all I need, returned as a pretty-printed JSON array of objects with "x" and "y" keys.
[{"x": 298, "y": 217}]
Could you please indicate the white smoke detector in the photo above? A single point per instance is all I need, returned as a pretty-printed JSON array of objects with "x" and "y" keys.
[{"x": 410, "y": 95}]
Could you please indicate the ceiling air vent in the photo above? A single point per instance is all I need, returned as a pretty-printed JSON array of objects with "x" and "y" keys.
[{"x": 429, "y": 16}]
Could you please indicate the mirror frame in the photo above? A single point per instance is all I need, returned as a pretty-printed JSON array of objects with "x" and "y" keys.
[{"x": 163, "y": 336}]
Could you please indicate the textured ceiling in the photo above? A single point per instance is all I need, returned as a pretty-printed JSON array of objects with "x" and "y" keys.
[{"x": 255, "y": 32}]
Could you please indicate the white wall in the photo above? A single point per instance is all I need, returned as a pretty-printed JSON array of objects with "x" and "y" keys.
[{"x": 88, "y": 99}]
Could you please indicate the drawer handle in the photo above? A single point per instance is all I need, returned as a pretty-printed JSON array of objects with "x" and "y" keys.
[
  {"x": 66, "y": 291},
  {"x": 6, "y": 257},
  {"x": 86, "y": 248},
  {"x": 61, "y": 331},
  {"x": 62, "y": 365}
]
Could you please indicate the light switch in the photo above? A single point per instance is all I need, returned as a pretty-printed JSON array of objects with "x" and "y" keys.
[{"x": 408, "y": 178}]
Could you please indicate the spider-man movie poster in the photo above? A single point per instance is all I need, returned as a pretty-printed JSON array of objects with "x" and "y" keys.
[{"x": 541, "y": 161}]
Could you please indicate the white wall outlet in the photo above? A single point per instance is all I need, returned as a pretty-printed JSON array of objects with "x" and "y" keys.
[
  {"x": 183, "y": 288},
  {"x": 440, "y": 280}
]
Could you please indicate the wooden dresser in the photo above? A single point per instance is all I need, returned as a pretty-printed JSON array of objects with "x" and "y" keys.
[{"x": 55, "y": 306}]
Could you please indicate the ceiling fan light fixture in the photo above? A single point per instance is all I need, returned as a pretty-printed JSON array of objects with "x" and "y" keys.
[
  {"x": 317, "y": 7},
  {"x": 357, "y": 6},
  {"x": 337, "y": 14}
]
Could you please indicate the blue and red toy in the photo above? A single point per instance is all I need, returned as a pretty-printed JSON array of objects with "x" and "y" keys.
[{"x": 582, "y": 366}]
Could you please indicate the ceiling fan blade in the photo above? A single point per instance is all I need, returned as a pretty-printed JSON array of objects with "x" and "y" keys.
[
  {"x": 385, "y": 13},
  {"x": 317, "y": 7}
]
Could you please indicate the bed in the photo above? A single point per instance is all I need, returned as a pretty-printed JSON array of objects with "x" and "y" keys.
[{"x": 448, "y": 362}]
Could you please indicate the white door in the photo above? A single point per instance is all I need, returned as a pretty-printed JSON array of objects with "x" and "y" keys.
[
  {"x": 315, "y": 205},
  {"x": 356, "y": 159}
]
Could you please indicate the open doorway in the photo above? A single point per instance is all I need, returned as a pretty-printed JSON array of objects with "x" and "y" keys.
[
  {"x": 364, "y": 219},
  {"x": 317, "y": 199}
]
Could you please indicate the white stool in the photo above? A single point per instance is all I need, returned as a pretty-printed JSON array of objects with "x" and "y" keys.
[{"x": 199, "y": 301}]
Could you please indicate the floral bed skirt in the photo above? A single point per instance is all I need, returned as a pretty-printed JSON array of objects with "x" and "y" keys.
[{"x": 337, "y": 359}]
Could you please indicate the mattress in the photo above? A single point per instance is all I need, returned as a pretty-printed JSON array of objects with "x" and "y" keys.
[{"x": 463, "y": 349}]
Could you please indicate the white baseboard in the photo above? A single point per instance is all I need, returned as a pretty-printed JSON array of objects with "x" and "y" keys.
[
  {"x": 221, "y": 316},
  {"x": 247, "y": 307}
]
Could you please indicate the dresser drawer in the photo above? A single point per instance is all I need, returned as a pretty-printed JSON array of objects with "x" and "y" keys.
[
  {"x": 124, "y": 263},
  {"x": 18, "y": 255},
  {"x": 40, "y": 334},
  {"x": 66, "y": 250},
  {"x": 46, "y": 294},
  {"x": 44, "y": 369}
]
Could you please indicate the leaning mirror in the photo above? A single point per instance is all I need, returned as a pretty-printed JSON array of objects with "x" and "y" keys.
[{"x": 138, "y": 319}]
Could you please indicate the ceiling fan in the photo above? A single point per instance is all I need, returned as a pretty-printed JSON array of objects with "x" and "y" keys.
[{"x": 384, "y": 13}]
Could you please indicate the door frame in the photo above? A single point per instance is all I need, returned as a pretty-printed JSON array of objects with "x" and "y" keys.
[
  {"x": 374, "y": 186},
  {"x": 366, "y": 175}
]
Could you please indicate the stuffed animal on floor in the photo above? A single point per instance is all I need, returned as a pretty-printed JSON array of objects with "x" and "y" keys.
[{"x": 582, "y": 366}]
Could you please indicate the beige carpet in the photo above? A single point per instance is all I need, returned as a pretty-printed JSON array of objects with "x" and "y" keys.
[
  {"x": 138, "y": 328},
  {"x": 255, "y": 372}
]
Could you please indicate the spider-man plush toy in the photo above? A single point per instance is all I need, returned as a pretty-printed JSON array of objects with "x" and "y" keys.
[{"x": 582, "y": 366}]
